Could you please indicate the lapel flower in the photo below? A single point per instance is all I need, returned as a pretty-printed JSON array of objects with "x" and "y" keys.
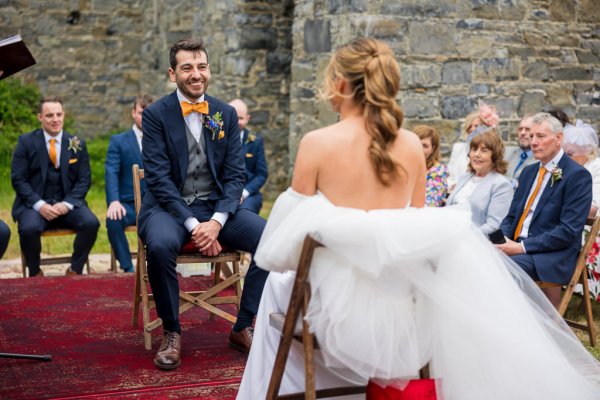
[
  {"x": 251, "y": 138},
  {"x": 214, "y": 124},
  {"x": 555, "y": 175},
  {"x": 74, "y": 144}
]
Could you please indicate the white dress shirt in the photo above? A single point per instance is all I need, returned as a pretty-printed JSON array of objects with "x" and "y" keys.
[
  {"x": 138, "y": 135},
  {"x": 549, "y": 167},
  {"x": 194, "y": 123}
]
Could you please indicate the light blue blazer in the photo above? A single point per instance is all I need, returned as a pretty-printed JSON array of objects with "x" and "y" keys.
[{"x": 489, "y": 202}]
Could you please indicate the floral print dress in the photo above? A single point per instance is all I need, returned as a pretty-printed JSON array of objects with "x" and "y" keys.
[{"x": 436, "y": 187}]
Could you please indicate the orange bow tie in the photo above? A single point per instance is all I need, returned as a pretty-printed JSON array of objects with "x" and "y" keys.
[{"x": 188, "y": 108}]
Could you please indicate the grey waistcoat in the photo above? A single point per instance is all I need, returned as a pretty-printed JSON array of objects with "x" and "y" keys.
[{"x": 198, "y": 181}]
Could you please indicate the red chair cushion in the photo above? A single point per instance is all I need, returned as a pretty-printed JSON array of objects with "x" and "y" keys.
[
  {"x": 417, "y": 389},
  {"x": 189, "y": 248}
]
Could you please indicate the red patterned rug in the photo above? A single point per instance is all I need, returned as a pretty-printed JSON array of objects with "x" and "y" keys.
[{"x": 84, "y": 322}]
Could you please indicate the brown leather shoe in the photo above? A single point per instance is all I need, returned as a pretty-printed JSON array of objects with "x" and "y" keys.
[
  {"x": 242, "y": 340},
  {"x": 40, "y": 274},
  {"x": 70, "y": 272},
  {"x": 168, "y": 356}
]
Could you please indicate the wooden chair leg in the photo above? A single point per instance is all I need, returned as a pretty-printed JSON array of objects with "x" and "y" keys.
[
  {"x": 216, "y": 278},
  {"x": 308, "y": 343},
  {"x": 238, "y": 285},
  {"x": 136, "y": 294},
  {"x": 588, "y": 310},
  {"x": 113, "y": 261},
  {"x": 145, "y": 303},
  {"x": 23, "y": 264}
]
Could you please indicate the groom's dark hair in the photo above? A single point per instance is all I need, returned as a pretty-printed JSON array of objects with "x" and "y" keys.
[{"x": 188, "y": 45}]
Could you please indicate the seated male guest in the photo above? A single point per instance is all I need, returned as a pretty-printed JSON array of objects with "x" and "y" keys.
[
  {"x": 520, "y": 156},
  {"x": 124, "y": 150},
  {"x": 549, "y": 209},
  {"x": 254, "y": 156},
  {"x": 51, "y": 176}
]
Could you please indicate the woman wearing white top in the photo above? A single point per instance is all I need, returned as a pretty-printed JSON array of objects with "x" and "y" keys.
[
  {"x": 580, "y": 142},
  {"x": 484, "y": 190}
]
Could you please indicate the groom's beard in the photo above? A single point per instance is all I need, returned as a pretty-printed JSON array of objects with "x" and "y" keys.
[{"x": 191, "y": 93}]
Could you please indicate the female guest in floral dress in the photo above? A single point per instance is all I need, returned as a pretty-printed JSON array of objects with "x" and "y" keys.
[
  {"x": 580, "y": 142},
  {"x": 436, "y": 187}
]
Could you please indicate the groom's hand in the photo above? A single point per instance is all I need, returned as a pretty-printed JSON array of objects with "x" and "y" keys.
[{"x": 205, "y": 234}]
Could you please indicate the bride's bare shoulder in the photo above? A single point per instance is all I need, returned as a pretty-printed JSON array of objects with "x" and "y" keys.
[
  {"x": 409, "y": 138},
  {"x": 319, "y": 137}
]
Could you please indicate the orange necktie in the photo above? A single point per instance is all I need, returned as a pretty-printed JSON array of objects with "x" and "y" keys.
[
  {"x": 538, "y": 185},
  {"x": 187, "y": 108},
  {"x": 52, "y": 152}
]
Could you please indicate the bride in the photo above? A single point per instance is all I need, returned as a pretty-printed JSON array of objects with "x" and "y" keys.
[{"x": 398, "y": 285}]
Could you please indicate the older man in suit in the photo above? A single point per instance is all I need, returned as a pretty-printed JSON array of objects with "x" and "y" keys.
[
  {"x": 254, "y": 156},
  {"x": 548, "y": 211},
  {"x": 520, "y": 156},
  {"x": 51, "y": 176},
  {"x": 195, "y": 175},
  {"x": 124, "y": 150}
]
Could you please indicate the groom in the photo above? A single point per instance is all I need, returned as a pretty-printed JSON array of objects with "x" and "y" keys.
[{"x": 194, "y": 169}]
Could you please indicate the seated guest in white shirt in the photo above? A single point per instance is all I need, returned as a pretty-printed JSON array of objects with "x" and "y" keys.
[{"x": 484, "y": 189}]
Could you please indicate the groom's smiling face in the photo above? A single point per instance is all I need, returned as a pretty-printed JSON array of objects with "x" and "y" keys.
[{"x": 191, "y": 73}]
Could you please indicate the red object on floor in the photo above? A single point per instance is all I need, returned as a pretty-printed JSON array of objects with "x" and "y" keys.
[
  {"x": 417, "y": 389},
  {"x": 84, "y": 322}
]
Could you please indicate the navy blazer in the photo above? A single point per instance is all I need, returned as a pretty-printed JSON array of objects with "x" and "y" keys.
[
  {"x": 256, "y": 162},
  {"x": 29, "y": 170},
  {"x": 123, "y": 152},
  {"x": 165, "y": 158},
  {"x": 554, "y": 237}
]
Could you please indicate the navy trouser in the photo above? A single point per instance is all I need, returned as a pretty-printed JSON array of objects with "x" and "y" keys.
[{"x": 117, "y": 238}]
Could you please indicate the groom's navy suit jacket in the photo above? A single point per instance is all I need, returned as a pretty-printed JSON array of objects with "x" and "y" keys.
[
  {"x": 554, "y": 237},
  {"x": 29, "y": 171},
  {"x": 165, "y": 158}
]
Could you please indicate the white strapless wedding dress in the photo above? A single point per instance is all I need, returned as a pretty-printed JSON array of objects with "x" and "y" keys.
[{"x": 395, "y": 289}]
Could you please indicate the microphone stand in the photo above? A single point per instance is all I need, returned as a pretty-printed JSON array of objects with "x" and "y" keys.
[{"x": 46, "y": 357}]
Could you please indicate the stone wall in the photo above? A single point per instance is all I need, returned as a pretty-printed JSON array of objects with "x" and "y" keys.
[
  {"x": 99, "y": 54},
  {"x": 518, "y": 55}
]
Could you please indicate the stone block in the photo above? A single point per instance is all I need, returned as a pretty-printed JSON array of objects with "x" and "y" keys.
[
  {"x": 456, "y": 72},
  {"x": 472, "y": 24},
  {"x": 480, "y": 89},
  {"x": 497, "y": 69},
  {"x": 302, "y": 72},
  {"x": 589, "y": 114},
  {"x": 531, "y": 102},
  {"x": 587, "y": 57},
  {"x": 237, "y": 65},
  {"x": 317, "y": 36},
  {"x": 537, "y": 71},
  {"x": 346, "y": 6},
  {"x": 381, "y": 28},
  {"x": 474, "y": 45},
  {"x": 589, "y": 11},
  {"x": 257, "y": 21},
  {"x": 422, "y": 8},
  {"x": 561, "y": 10},
  {"x": 571, "y": 74},
  {"x": 420, "y": 107},
  {"x": 258, "y": 38},
  {"x": 279, "y": 62},
  {"x": 426, "y": 76},
  {"x": 426, "y": 38},
  {"x": 505, "y": 106},
  {"x": 560, "y": 95},
  {"x": 454, "y": 107}
]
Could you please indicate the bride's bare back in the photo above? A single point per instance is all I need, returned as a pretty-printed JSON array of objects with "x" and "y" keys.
[{"x": 335, "y": 161}]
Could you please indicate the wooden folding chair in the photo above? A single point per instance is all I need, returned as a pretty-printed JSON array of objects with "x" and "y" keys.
[
  {"x": 207, "y": 299},
  {"x": 299, "y": 300},
  {"x": 53, "y": 260},
  {"x": 113, "y": 258},
  {"x": 579, "y": 276}
]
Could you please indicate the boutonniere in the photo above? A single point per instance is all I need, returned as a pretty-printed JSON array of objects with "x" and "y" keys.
[
  {"x": 215, "y": 125},
  {"x": 555, "y": 175},
  {"x": 251, "y": 137},
  {"x": 74, "y": 144}
]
